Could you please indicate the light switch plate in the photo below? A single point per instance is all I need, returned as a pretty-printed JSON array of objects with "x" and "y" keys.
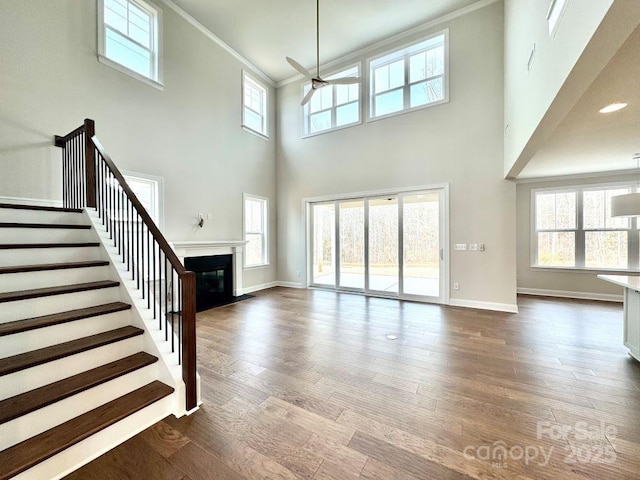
[{"x": 460, "y": 246}]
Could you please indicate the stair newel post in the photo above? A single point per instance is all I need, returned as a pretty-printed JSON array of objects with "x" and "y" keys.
[
  {"x": 90, "y": 161},
  {"x": 189, "y": 338}
]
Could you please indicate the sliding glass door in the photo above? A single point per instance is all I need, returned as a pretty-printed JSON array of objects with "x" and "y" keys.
[
  {"x": 384, "y": 261},
  {"x": 391, "y": 245},
  {"x": 324, "y": 244},
  {"x": 351, "y": 244},
  {"x": 421, "y": 244}
]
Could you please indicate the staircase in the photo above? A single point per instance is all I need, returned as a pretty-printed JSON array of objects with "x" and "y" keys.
[{"x": 75, "y": 379}]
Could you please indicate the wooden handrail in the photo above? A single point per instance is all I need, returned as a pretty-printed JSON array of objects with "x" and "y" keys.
[
  {"x": 85, "y": 167},
  {"x": 148, "y": 221}
]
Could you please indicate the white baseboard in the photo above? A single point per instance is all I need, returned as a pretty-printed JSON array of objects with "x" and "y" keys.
[
  {"x": 36, "y": 202},
  {"x": 256, "y": 288},
  {"x": 498, "y": 307},
  {"x": 603, "y": 297},
  {"x": 290, "y": 284}
]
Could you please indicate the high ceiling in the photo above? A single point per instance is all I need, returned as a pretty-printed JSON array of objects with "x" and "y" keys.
[
  {"x": 588, "y": 141},
  {"x": 266, "y": 31}
]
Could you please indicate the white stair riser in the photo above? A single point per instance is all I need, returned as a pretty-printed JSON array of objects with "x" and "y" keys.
[
  {"x": 13, "y": 282},
  {"x": 40, "y": 216},
  {"x": 45, "y": 337},
  {"x": 34, "y": 423},
  {"x": 37, "y": 256},
  {"x": 36, "y": 307},
  {"x": 40, "y": 375},
  {"x": 42, "y": 235},
  {"x": 83, "y": 452}
]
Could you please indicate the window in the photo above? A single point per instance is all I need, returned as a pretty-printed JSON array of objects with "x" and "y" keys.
[
  {"x": 255, "y": 231},
  {"x": 574, "y": 229},
  {"x": 129, "y": 38},
  {"x": 333, "y": 106},
  {"x": 148, "y": 189},
  {"x": 411, "y": 78},
  {"x": 254, "y": 105},
  {"x": 554, "y": 15}
]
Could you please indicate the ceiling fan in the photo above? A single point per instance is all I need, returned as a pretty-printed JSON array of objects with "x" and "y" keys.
[{"x": 317, "y": 82}]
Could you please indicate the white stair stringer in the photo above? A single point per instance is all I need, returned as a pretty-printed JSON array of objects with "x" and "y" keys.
[
  {"x": 170, "y": 371},
  {"x": 99, "y": 443},
  {"x": 43, "y": 419},
  {"x": 47, "y": 336}
]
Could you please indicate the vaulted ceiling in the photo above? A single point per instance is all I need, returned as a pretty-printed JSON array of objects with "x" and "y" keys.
[{"x": 265, "y": 31}]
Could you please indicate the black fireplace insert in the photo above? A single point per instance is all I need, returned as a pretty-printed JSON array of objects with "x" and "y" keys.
[{"x": 214, "y": 280}]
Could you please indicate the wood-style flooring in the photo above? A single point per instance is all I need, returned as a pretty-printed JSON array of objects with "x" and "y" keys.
[{"x": 304, "y": 384}]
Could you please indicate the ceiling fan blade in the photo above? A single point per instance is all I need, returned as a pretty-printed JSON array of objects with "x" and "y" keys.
[
  {"x": 298, "y": 67},
  {"x": 344, "y": 81},
  {"x": 307, "y": 97}
]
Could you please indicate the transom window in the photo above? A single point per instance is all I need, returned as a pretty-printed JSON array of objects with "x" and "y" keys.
[
  {"x": 129, "y": 37},
  {"x": 334, "y": 106},
  {"x": 254, "y": 105},
  {"x": 255, "y": 231},
  {"x": 574, "y": 229},
  {"x": 410, "y": 78}
]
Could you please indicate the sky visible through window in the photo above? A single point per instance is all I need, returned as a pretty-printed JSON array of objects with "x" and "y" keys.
[{"x": 129, "y": 36}]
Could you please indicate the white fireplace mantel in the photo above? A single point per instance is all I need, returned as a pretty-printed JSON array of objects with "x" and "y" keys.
[{"x": 205, "y": 248}]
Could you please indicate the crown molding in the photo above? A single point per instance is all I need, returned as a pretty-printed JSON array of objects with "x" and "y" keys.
[
  {"x": 405, "y": 35},
  {"x": 217, "y": 40}
]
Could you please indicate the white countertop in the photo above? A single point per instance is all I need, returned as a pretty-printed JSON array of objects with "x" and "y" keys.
[{"x": 627, "y": 281}]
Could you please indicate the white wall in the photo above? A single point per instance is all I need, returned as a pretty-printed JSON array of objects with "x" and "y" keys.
[
  {"x": 460, "y": 142},
  {"x": 190, "y": 133},
  {"x": 584, "y": 283},
  {"x": 529, "y": 95}
]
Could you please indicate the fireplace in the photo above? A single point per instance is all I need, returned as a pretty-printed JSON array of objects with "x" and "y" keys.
[{"x": 214, "y": 279}]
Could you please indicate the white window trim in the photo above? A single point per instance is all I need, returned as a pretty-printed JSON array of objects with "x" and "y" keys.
[
  {"x": 265, "y": 235},
  {"x": 265, "y": 103},
  {"x": 160, "y": 182},
  {"x": 361, "y": 90},
  {"x": 555, "y": 24},
  {"x": 633, "y": 240},
  {"x": 156, "y": 82},
  {"x": 407, "y": 45}
]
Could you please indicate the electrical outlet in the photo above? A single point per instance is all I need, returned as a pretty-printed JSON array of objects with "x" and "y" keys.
[
  {"x": 473, "y": 247},
  {"x": 209, "y": 216},
  {"x": 298, "y": 273},
  {"x": 456, "y": 286}
]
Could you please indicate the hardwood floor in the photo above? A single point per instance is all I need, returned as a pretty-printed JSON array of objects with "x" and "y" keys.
[{"x": 303, "y": 384}]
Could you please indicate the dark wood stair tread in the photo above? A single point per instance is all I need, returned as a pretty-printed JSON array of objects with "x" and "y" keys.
[
  {"x": 48, "y": 354},
  {"x": 39, "y": 207},
  {"x": 25, "y": 455},
  {"x": 66, "y": 226},
  {"x": 18, "y": 326},
  {"x": 12, "y": 246},
  {"x": 27, "y": 402},
  {"x": 53, "y": 266},
  {"x": 61, "y": 290}
]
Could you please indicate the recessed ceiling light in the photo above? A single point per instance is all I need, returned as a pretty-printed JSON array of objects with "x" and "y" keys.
[
  {"x": 392, "y": 337},
  {"x": 614, "y": 107}
]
